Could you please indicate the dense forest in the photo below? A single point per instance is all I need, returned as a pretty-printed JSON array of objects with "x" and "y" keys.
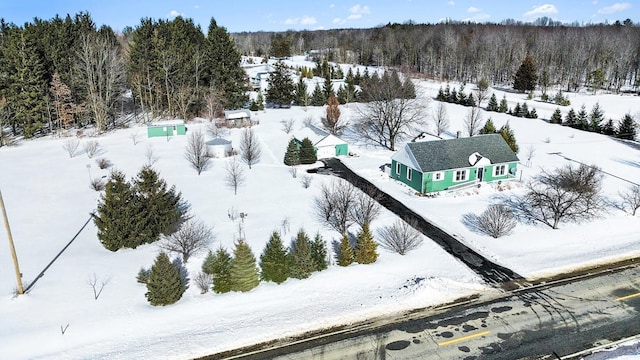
[{"x": 66, "y": 73}]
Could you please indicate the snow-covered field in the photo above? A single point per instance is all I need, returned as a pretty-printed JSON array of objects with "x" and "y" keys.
[{"x": 48, "y": 198}]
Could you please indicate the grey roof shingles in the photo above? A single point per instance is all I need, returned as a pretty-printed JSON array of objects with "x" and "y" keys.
[{"x": 441, "y": 155}]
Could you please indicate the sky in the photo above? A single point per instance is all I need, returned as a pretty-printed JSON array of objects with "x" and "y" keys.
[{"x": 281, "y": 15}]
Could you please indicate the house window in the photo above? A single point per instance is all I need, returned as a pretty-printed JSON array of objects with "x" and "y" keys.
[
  {"x": 437, "y": 176},
  {"x": 409, "y": 173},
  {"x": 461, "y": 175},
  {"x": 398, "y": 168},
  {"x": 499, "y": 170}
]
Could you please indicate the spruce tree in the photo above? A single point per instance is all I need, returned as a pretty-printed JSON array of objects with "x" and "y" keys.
[
  {"x": 462, "y": 96},
  {"x": 517, "y": 110},
  {"x": 366, "y": 248},
  {"x": 117, "y": 215},
  {"x": 165, "y": 285},
  {"x": 274, "y": 261},
  {"x": 582, "y": 119},
  {"x": 571, "y": 119},
  {"x": 446, "y": 94},
  {"x": 302, "y": 97},
  {"x": 493, "y": 103},
  {"x": 509, "y": 137},
  {"x": 609, "y": 128},
  {"x": 471, "y": 101},
  {"x": 488, "y": 128},
  {"x": 318, "y": 97},
  {"x": 218, "y": 265},
  {"x": 596, "y": 117},
  {"x": 319, "y": 253},
  {"x": 627, "y": 128},
  {"x": 292, "y": 155},
  {"x": 408, "y": 89},
  {"x": 504, "y": 107},
  {"x": 307, "y": 152},
  {"x": 328, "y": 88},
  {"x": 533, "y": 114},
  {"x": 556, "y": 118},
  {"x": 526, "y": 77},
  {"x": 281, "y": 88},
  {"x": 440, "y": 96},
  {"x": 345, "y": 255},
  {"x": 524, "y": 110},
  {"x": 244, "y": 272},
  {"x": 302, "y": 264}
]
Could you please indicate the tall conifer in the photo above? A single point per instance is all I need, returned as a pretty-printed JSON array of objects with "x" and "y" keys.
[
  {"x": 244, "y": 272},
  {"x": 274, "y": 261},
  {"x": 165, "y": 285},
  {"x": 366, "y": 248}
]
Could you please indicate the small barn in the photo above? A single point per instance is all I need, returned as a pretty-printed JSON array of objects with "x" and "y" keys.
[
  {"x": 438, "y": 165},
  {"x": 237, "y": 118},
  {"x": 326, "y": 145},
  {"x": 219, "y": 147},
  {"x": 166, "y": 128}
]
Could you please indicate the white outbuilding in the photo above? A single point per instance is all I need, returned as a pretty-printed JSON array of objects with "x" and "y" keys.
[{"x": 219, "y": 147}]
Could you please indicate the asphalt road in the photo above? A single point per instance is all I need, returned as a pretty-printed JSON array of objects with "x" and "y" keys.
[{"x": 547, "y": 322}]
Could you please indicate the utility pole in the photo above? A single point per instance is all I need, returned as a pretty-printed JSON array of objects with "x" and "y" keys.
[{"x": 11, "y": 247}]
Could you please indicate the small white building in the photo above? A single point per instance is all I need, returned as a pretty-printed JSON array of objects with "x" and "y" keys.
[
  {"x": 326, "y": 144},
  {"x": 219, "y": 147}
]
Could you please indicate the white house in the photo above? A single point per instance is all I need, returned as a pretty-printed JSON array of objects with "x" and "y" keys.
[
  {"x": 326, "y": 144},
  {"x": 219, "y": 147}
]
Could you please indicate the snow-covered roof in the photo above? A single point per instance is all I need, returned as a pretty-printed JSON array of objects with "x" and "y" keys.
[
  {"x": 330, "y": 140},
  {"x": 237, "y": 114},
  {"x": 166, "y": 123},
  {"x": 314, "y": 134},
  {"x": 218, "y": 141}
]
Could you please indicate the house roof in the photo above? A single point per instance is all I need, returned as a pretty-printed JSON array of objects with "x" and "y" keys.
[
  {"x": 218, "y": 141},
  {"x": 166, "y": 123},
  {"x": 318, "y": 136},
  {"x": 441, "y": 155},
  {"x": 237, "y": 114}
]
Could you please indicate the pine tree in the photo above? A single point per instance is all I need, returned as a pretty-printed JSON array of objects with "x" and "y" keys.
[
  {"x": 509, "y": 137},
  {"x": 533, "y": 114},
  {"x": 582, "y": 120},
  {"x": 317, "y": 97},
  {"x": 260, "y": 100},
  {"x": 302, "y": 264},
  {"x": 627, "y": 128},
  {"x": 471, "y": 101},
  {"x": 244, "y": 272},
  {"x": 596, "y": 117},
  {"x": 462, "y": 96},
  {"x": 609, "y": 128},
  {"x": 366, "y": 248},
  {"x": 408, "y": 89},
  {"x": 556, "y": 118},
  {"x": 517, "y": 110},
  {"x": 117, "y": 217},
  {"x": 524, "y": 110},
  {"x": 274, "y": 261},
  {"x": 446, "y": 94},
  {"x": 493, "y": 103},
  {"x": 307, "y": 152},
  {"x": 526, "y": 77},
  {"x": 292, "y": 155},
  {"x": 165, "y": 285},
  {"x": 218, "y": 265},
  {"x": 571, "y": 119},
  {"x": 345, "y": 256},
  {"x": 281, "y": 88},
  {"x": 319, "y": 253},
  {"x": 504, "y": 107},
  {"x": 328, "y": 88},
  {"x": 488, "y": 128},
  {"x": 453, "y": 96},
  {"x": 302, "y": 97},
  {"x": 440, "y": 96}
]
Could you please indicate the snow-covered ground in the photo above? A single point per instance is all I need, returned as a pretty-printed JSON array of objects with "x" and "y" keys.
[{"x": 48, "y": 198}]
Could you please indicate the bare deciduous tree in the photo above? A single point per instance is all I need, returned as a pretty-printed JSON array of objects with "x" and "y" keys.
[
  {"x": 287, "y": 125},
  {"x": 496, "y": 221},
  {"x": 235, "y": 175},
  {"x": 193, "y": 237},
  {"x": 150, "y": 155},
  {"x": 70, "y": 145},
  {"x": 306, "y": 181},
  {"x": 567, "y": 194},
  {"x": 97, "y": 288},
  {"x": 214, "y": 102},
  {"x": 631, "y": 199},
  {"x": 473, "y": 121},
  {"x": 365, "y": 207},
  {"x": 203, "y": 281},
  {"x": 197, "y": 152},
  {"x": 91, "y": 148},
  {"x": 530, "y": 153},
  {"x": 400, "y": 237},
  {"x": 440, "y": 118},
  {"x": 333, "y": 206},
  {"x": 250, "y": 150},
  {"x": 134, "y": 138},
  {"x": 215, "y": 131}
]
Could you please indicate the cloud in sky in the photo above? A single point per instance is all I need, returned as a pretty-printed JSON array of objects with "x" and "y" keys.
[
  {"x": 305, "y": 20},
  {"x": 617, "y": 7},
  {"x": 174, "y": 13},
  {"x": 355, "y": 12},
  {"x": 451, "y": 2},
  {"x": 472, "y": 9},
  {"x": 542, "y": 10}
]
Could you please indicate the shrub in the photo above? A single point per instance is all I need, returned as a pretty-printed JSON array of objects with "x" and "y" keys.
[
  {"x": 70, "y": 146},
  {"x": 400, "y": 237},
  {"x": 203, "y": 281},
  {"x": 91, "y": 147},
  {"x": 98, "y": 184},
  {"x": 103, "y": 163},
  {"x": 143, "y": 275}
]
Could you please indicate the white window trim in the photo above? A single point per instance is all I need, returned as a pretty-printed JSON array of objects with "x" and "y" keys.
[
  {"x": 504, "y": 170},
  {"x": 435, "y": 176},
  {"x": 398, "y": 168},
  {"x": 409, "y": 173},
  {"x": 466, "y": 175}
]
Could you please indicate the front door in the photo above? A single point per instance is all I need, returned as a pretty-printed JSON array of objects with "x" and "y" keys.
[{"x": 480, "y": 174}]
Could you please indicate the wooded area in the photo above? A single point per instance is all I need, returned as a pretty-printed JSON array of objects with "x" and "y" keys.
[{"x": 65, "y": 73}]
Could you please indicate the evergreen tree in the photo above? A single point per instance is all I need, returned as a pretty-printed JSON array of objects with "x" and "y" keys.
[
  {"x": 345, "y": 256},
  {"x": 317, "y": 97},
  {"x": 281, "y": 45},
  {"x": 503, "y": 108},
  {"x": 281, "y": 88},
  {"x": 302, "y": 264},
  {"x": 462, "y": 96},
  {"x": 244, "y": 272},
  {"x": 517, "y": 110},
  {"x": 526, "y": 77},
  {"x": 627, "y": 128},
  {"x": 533, "y": 114},
  {"x": 307, "y": 152},
  {"x": 524, "y": 110},
  {"x": 218, "y": 265},
  {"x": 509, "y": 137},
  {"x": 260, "y": 101},
  {"x": 302, "y": 97},
  {"x": 556, "y": 118},
  {"x": 493, "y": 103},
  {"x": 446, "y": 94},
  {"x": 609, "y": 128},
  {"x": 117, "y": 217},
  {"x": 596, "y": 117},
  {"x": 408, "y": 89},
  {"x": 223, "y": 63},
  {"x": 350, "y": 79},
  {"x": 488, "y": 128},
  {"x": 471, "y": 101},
  {"x": 453, "y": 96},
  {"x": 274, "y": 261},
  {"x": 582, "y": 119},
  {"x": 441, "y": 96},
  {"x": 292, "y": 155},
  {"x": 165, "y": 285},
  {"x": 366, "y": 248},
  {"x": 184, "y": 273},
  {"x": 319, "y": 253},
  {"x": 571, "y": 119},
  {"x": 328, "y": 88}
]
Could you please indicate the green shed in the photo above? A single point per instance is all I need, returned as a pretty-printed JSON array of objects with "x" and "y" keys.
[{"x": 166, "y": 128}]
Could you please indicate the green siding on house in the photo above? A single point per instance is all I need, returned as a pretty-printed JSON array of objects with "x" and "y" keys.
[
  {"x": 416, "y": 177},
  {"x": 169, "y": 129},
  {"x": 342, "y": 149}
]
